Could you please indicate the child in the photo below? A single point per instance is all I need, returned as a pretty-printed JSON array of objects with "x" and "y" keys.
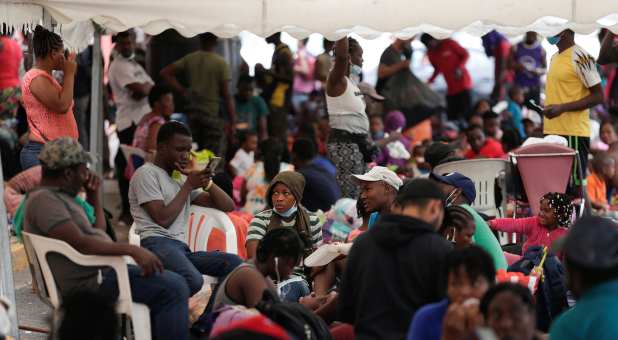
[
  {"x": 529, "y": 127},
  {"x": 244, "y": 157},
  {"x": 376, "y": 126},
  {"x": 551, "y": 224},
  {"x": 516, "y": 102},
  {"x": 603, "y": 170},
  {"x": 458, "y": 226}
]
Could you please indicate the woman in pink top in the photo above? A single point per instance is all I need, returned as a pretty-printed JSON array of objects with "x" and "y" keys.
[
  {"x": 49, "y": 106},
  {"x": 551, "y": 224},
  {"x": 161, "y": 101}
]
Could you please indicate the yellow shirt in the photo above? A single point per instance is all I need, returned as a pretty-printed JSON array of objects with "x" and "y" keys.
[{"x": 571, "y": 74}]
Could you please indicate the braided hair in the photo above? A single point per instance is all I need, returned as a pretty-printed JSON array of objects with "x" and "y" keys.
[
  {"x": 280, "y": 242},
  {"x": 44, "y": 42},
  {"x": 457, "y": 217},
  {"x": 562, "y": 207}
]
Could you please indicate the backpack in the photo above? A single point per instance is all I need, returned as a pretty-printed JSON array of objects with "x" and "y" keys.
[
  {"x": 297, "y": 320},
  {"x": 551, "y": 295}
]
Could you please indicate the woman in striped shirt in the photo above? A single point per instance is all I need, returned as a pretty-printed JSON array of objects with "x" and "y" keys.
[{"x": 285, "y": 211}]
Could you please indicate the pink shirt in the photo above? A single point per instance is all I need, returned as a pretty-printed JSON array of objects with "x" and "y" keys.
[
  {"x": 10, "y": 54},
  {"x": 44, "y": 124},
  {"x": 536, "y": 234}
]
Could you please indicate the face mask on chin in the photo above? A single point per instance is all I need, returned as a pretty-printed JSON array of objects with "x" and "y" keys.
[
  {"x": 355, "y": 73},
  {"x": 288, "y": 213}
]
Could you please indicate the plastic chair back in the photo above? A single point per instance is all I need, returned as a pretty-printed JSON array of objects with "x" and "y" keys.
[
  {"x": 483, "y": 172},
  {"x": 200, "y": 225},
  {"x": 543, "y": 168}
]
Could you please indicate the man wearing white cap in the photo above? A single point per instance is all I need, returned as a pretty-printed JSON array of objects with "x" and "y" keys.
[{"x": 379, "y": 188}]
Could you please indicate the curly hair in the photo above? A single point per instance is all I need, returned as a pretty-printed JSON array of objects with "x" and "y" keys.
[{"x": 562, "y": 207}]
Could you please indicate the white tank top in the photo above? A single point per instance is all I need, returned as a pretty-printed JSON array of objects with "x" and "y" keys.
[{"x": 347, "y": 111}]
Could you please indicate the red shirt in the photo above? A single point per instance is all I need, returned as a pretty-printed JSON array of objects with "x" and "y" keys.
[
  {"x": 10, "y": 54},
  {"x": 447, "y": 58},
  {"x": 491, "y": 149}
]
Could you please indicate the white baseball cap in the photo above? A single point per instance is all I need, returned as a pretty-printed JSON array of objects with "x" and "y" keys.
[{"x": 380, "y": 173}]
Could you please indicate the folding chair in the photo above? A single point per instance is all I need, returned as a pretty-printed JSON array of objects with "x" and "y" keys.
[{"x": 37, "y": 247}]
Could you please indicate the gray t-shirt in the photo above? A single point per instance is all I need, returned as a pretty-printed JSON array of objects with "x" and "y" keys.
[
  {"x": 151, "y": 183},
  {"x": 45, "y": 209}
]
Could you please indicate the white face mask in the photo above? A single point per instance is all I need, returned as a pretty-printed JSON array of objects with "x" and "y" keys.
[{"x": 355, "y": 73}]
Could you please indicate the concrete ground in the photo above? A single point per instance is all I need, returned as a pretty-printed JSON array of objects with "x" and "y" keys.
[{"x": 32, "y": 313}]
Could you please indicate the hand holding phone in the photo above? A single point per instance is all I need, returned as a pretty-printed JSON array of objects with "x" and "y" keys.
[{"x": 536, "y": 107}]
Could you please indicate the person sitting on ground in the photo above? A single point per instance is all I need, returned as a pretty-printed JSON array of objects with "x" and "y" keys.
[
  {"x": 324, "y": 188},
  {"x": 603, "y": 169},
  {"x": 277, "y": 254},
  {"x": 268, "y": 164},
  {"x": 590, "y": 251},
  {"x": 510, "y": 140},
  {"x": 87, "y": 314},
  {"x": 160, "y": 208},
  {"x": 481, "y": 146},
  {"x": 510, "y": 312},
  {"x": 552, "y": 222},
  {"x": 245, "y": 155},
  {"x": 458, "y": 226},
  {"x": 397, "y": 266},
  {"x": 470, "y": 274},
  {"x": 285, "y": 211},
  {"x": 51, "y": 211},
  {"x": 491, "y": 125},
  {"x": 530, "y": 128},
  {"x": 459, "y": 190},
  {"x": 379, "y": 188},
  {"x": 161, "y": 101}
]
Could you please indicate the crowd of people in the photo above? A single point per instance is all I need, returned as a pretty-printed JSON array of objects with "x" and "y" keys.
[{"x": 311, "y": 157}]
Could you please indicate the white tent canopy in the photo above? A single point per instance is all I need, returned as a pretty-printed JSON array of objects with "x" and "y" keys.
[{"x": 332, "y": 18}]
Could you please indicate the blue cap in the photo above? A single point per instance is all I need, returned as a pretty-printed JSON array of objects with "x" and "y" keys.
[{"x": 459, "y": 181}]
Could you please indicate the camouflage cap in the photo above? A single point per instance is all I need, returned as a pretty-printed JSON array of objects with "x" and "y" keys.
[{"x": 63, "y": 153}]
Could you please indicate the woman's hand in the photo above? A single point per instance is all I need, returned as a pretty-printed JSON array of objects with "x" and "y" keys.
[{"x": 70, "y": 66}]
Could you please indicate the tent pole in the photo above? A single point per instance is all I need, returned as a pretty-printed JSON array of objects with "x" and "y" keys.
[
  {"x": 96, "y": 104},
  {"x": 7, "y": 285}
]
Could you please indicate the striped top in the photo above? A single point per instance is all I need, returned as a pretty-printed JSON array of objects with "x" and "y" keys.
[
  {"x": 259, "y": 226},
  {"x": 45, "y": 125}
]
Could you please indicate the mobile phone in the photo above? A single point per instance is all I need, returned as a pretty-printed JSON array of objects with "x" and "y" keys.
[
  {"x": 66, "y": 53},
  {"x": 213, "y": 163},
  {"x": 536, "y": 107}
]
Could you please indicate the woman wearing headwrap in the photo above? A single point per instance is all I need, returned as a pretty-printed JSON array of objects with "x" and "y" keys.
[
  {"x": 285, "y": 211},
  {"x": 551, "y": 223}
]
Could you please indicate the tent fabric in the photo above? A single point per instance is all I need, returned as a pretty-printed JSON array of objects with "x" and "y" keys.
[{"x": 333, "y": 19}]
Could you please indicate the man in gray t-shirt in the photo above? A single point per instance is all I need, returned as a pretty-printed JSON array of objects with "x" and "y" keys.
[{"x": 160, "y": 208}]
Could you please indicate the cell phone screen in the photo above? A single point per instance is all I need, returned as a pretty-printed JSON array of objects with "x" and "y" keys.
[{"x": 213, "y": 163}]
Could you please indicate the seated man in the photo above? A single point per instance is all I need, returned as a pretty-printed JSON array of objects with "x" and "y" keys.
[
  {"x": 160, "y": 207},
  {"x": 51, "y": 211},
  {"x": 482, "y": 146},
  {"x": 379, "y": 188}
]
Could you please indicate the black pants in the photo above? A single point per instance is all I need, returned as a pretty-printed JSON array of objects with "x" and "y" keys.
[
  {"x": 458, "y": 105},
  {"x": 126, "y": 137}
]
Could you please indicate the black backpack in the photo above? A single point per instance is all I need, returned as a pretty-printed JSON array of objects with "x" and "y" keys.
[
  {"x": 551, "y": 295},
  {"x": 296, "y": 319}
]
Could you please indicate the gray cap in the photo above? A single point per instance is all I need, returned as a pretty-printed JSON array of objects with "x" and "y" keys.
[
  {"x": 63, "y": 153},
  {"x": 592, "y": 243}
]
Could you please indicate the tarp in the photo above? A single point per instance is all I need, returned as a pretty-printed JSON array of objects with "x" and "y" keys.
[{"x": 331, "y": 18}]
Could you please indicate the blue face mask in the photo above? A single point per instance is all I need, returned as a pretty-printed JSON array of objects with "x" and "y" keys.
[
  {"x": 288, "y": 213},
  {"x": 553, "y": 40},
  {"x": 378, "y": 135},
  {"x": 355, "y": 72}
]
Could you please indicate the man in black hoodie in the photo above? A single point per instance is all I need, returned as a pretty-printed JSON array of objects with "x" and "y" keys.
[{"x": 397, "y": 266}]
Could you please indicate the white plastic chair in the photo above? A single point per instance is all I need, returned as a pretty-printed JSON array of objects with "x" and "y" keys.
[
  {"x": 483, "y": 172},
  {"x": 200, "y": 223},
  {"x": 37, "y": 248}
]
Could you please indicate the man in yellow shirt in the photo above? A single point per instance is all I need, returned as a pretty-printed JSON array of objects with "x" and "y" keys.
[{"x": 573, "y": 87}]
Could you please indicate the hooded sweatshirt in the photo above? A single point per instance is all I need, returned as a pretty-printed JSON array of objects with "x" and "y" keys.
[{"x": 393, "y": 269}]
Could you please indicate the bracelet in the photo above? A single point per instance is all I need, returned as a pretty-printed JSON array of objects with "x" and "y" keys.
[{"x": 208, "y": 186}]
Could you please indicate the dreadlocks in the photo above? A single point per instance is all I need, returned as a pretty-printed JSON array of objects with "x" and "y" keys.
[{"x": 45, "y": 42}]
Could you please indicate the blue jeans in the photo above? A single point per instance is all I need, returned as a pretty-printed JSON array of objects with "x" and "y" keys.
[
  {"x": 29, "y": 156},
  {"x": 177, "y": 257},
  {"x": 293, "y": 289},
  {"x": 166, "y": 296}
]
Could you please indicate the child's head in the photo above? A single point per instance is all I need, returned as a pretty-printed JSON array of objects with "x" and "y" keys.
[
  {"x": 517, "y": 95},
  {"x": 475, "y": 119},
  {"x": 604, "y": 165},
  {"x": 608, "y": 132},
  {"x": 529, "y": 126},
  {"x": 248, "y": 140},
  {"x": 476, "y": 137},
  {"x": 481, "y": 107},
  {"x": 245, "y": 87},
  {"x": 376, "y": 125},
  {"x": 510, "y": 140},
  {"x": 556, "y": 210},
  {"x": 458, "y": 225},
  {"x": 491, "y": 124},
  {"x": 471, "y": 272}
]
